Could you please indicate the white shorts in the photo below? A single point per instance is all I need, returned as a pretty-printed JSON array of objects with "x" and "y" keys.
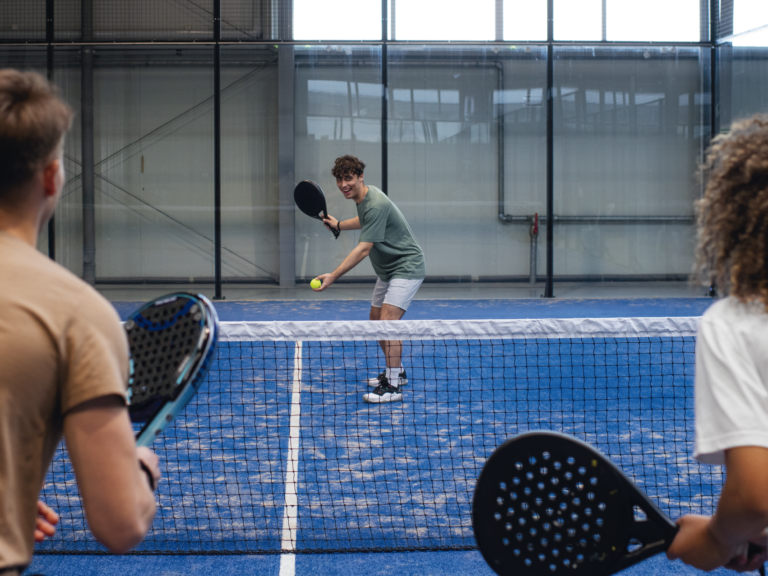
[{"x": 397, "y": 292}]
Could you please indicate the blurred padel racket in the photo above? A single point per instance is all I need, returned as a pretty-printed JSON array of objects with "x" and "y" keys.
[
  {"x": 172, "y": 341},
  {"x": 310, "y": 199},
  {"x": 546, "y": 503}
]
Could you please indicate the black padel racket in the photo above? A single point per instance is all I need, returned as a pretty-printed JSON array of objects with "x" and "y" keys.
[
  {"x": 546, "y": 503},
  {"x": 172, "y": 341},
  {"x": 310, "y": 199}
]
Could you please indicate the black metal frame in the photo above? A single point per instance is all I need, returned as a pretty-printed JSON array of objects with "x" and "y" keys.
[
  {"x": 217, "y": 148},
  {"x": 549, "y": 288},
  {"x": 87, "y": 40},
  {"x": 49, "y": 66}
]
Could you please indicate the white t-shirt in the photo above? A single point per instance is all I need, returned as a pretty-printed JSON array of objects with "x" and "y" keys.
[{"x": 731, "y": 379}]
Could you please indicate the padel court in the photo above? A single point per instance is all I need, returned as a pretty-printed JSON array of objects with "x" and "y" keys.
[{"x": 279, "y": 452}]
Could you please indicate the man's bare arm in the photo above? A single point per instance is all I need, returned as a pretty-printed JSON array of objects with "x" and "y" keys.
[
  {"x": 351, "y": 224},
  {"x": 354, "y": 258},
  {"x": 119, "y": 503}
]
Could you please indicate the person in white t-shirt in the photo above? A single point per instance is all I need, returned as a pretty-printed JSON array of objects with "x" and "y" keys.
[{"x": 732, "y": 353}]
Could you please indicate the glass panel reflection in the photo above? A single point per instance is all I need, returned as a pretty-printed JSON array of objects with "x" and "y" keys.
[
  {"x": 153, "y": 112},
  {"x": 630, "y": 128},
  {"x": 338, "y": 99},
  {"x": 249, "y": 178}
]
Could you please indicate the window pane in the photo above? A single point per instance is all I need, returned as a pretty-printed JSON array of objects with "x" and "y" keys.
[
  {"x": 525, "y": 20},
  {"x": 630, "y": 126},
  {"x": 582, "y": 20},
  {"x": 653, "y": 20},
  {"x": 337, "y": 20},
  {"x": 453, "y": 113},
  {"x": 249, "y": 203},
  {"x": 154, "y": 170},
  {"x": 744, "y": 86},
  {"x": 338, "y": 111},
  {"x": 434, "y": 20},
  {"x": 749, "y": 14},
  {"x": 750, "y": 21}
]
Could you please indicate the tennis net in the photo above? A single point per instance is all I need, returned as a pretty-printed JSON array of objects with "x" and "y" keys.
[{"x": 279, "y": 453}]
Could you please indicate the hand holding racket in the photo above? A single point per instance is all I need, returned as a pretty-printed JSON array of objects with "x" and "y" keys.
[
  {"x": 546, "y": 503},
  {"x": 172, "y": 341},
  {"x": 696, "y": 546},
  {"x": 310, "y": 199}
]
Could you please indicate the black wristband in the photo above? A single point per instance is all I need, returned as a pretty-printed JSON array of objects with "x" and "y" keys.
[{"x": 149, "y": 475}]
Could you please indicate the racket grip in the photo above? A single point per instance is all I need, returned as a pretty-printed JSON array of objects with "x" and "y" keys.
[
  {"x": 150, "y": 478},
  {"x": 336, "y": 233},
  {"x": 752, "y": 550}
]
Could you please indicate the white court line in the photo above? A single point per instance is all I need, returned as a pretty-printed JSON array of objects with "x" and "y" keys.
[{"x": 291, "y": 507}]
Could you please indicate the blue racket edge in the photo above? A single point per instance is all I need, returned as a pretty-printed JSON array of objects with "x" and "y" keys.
[{"x": 195, "y": 374}]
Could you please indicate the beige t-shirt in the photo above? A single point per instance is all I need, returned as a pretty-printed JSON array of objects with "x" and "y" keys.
[{"x": 61, "y": 344}]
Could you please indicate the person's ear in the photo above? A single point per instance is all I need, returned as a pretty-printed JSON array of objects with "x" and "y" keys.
[{"x": 52, "y": 177}]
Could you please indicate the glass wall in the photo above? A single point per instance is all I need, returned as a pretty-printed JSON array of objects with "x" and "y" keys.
[
  {"x": 153, "y": 132},
  {"x": 466, "y": 131},
  {"x": 249, "y": 175},
  {"x": 630, "y": 126},
  {"x": 450, "y": 112},
  {"x": 338, "y": 105},
  {"x": 743, "y": 83}
]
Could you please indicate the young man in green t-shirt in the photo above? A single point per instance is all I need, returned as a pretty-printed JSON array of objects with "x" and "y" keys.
[{"x": 396, "y": 258}]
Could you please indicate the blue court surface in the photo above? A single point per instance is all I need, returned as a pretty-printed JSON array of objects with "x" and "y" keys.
[
  {"x": 384, "y": 564},
  {"x": 279, "y": 452}
]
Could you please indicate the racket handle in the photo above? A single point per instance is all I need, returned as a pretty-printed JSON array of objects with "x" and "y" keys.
[
  {"x": 336, "y": 233},
  {"x": 752, "y": 550}
]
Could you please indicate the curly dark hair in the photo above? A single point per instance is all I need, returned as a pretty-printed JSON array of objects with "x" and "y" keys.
[
  {"x": 347, "y": 165},
  {"x": 732, "y": 250}
]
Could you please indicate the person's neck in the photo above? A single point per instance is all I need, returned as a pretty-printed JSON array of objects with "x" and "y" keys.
[
  {"x": 19, "y": 226},
  {"x": 360, "y": 198}
]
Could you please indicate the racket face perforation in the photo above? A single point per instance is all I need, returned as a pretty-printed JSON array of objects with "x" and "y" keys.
[
  {"x": 162, "y": 337},
  {"x": 549, "y": 508}
]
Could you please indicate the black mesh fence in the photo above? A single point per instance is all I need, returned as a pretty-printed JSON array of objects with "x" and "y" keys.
[
  {"x": 143, "y": 20},
  {"x": 22, "y": 21}
]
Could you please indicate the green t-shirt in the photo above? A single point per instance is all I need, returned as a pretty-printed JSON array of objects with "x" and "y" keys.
[{"x": 395, "y": 253}]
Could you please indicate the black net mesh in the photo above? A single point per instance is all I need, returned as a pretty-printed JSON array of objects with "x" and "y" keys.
[{"x": 279, "y": 451}]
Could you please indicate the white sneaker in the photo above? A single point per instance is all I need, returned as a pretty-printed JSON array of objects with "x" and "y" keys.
[
  {"x": 375, "y": 381},
  {"x": 384, "y": 393}
]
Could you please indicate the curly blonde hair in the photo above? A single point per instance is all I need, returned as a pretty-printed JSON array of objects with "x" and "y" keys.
[{"x": 732, "y": 216}]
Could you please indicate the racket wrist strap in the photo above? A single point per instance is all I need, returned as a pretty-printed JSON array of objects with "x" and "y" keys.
[{"x": 150, "y": 477}]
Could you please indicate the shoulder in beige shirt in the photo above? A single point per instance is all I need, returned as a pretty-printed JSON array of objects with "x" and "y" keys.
[{"x": 61, "y": 344}]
